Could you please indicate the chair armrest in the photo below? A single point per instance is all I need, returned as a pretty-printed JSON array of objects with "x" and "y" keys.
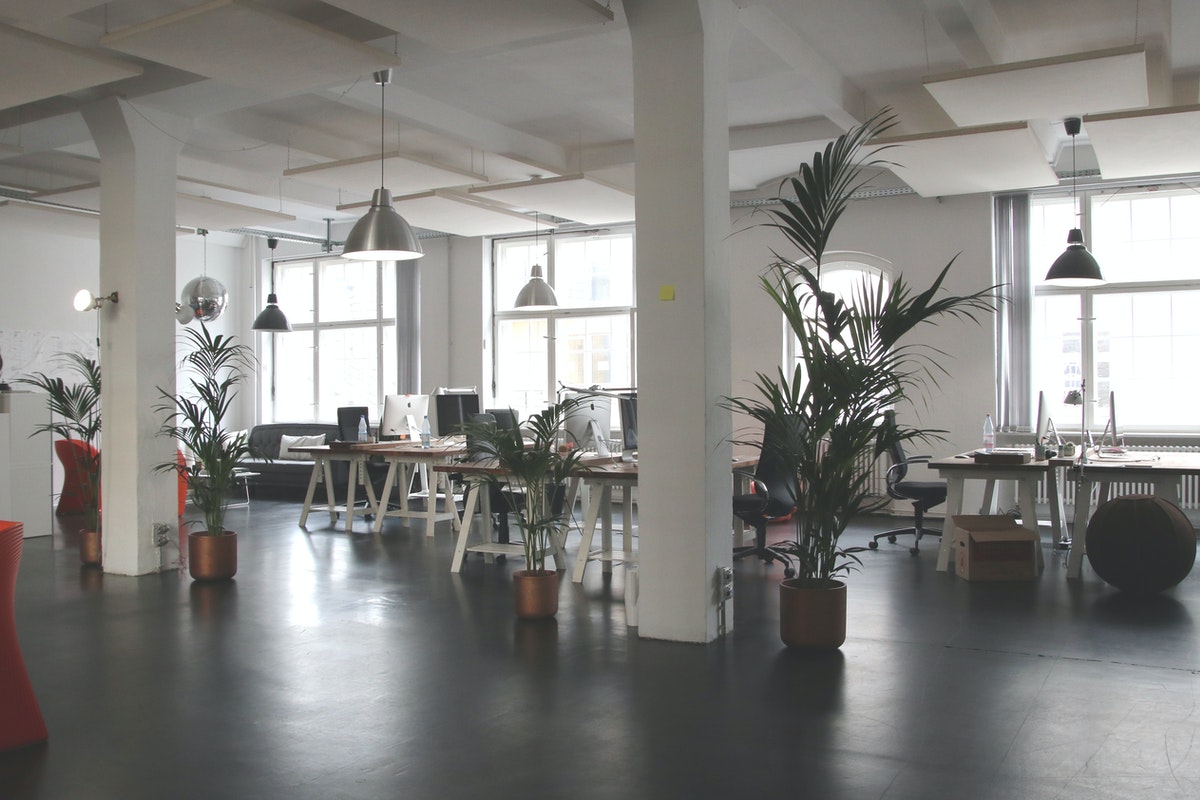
[
  {"x": 910, "y": 460},
  {"x": 756, "y": 486}
]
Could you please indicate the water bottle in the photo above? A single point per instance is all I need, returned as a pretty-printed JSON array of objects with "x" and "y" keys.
[
  {"x": 425, "y": 432},
  {"x": 362, "y": 429},
  {"x": 989, "y": 434}
]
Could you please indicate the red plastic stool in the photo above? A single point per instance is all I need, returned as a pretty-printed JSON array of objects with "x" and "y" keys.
[{"x": 21, "y": 722}]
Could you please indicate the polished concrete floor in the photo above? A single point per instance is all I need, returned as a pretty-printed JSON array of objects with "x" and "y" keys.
[{"x": 354, "y": 666}]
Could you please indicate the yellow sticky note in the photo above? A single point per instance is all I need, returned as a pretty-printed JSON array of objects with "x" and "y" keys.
[{"x": 666, "y": 293}]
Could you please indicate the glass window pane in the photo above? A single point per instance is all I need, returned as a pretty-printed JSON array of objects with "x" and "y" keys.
[
  {"x": 594, "y": 271},
  {"x": 347, "y": 290},
  {"x": 593, "y": 350},
  {"x": 347, "y": 361},
  {"x": 522, "y": 361},
  {"x": 294, "y": 285},
  {"x": 391, "y": 380},
  {"x": 1150, "y": 339},
  {"x": 389, "y": 289},
  {"x": 1057, "y": 360},
  {"x": 294, "y": 377},
  {"x": 1145, "y": 236},
  {"x": 1050, "y": 220}
]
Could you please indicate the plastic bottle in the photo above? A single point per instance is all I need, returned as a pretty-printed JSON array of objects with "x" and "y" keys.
[
  {"x": 425, "y": 434},
  {"x": 989, "y": 434},
  {"x": 362, "y": 429}
]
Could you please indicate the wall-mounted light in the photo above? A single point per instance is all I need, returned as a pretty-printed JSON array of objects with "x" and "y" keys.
[{"x": 86, "y": 301}]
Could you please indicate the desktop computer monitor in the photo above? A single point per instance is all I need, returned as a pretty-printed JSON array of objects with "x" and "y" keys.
[
  {"x": 505, "y": 417},
  {"x": 1110, "y": 435},
  {"x": 588, "y": 424},
  {"x": 453, "y": 409},
  {"x": 402, "y": 416},
  {"x": 629, "y": 426},
  {"x": 1041, "y": 428}
]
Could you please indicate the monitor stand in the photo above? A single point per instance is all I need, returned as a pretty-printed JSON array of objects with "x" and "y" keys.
[
  {"x": 629, "y": 456},
  {"x": 598, "y": 438}
]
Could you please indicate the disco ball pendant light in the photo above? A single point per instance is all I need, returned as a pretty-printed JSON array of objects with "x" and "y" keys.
[
  {"x": 382, "y": 234},
  {"x": 271, "y": 319},
  {"x": 1076, "y": 266}
]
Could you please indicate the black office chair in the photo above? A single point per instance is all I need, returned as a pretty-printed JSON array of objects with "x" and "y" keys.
[
  {"x": 924, "y": 495},
  {"x": 775, "y": 490}
]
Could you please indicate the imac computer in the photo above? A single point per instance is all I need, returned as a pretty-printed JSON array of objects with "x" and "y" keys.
[
  {"x": 402, "y": 416},
  {"x": 1110, "y": 440},
  {"x": 589, "y": 422},
  {"x": 629, "y": 427},
  {"x": 453, "y": 409}
]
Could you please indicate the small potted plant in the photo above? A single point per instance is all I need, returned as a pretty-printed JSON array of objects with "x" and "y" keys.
[
  {"x": 75, "y": 415},
  {"x": 217, "y": 365},
  {"x": 534, "y": 464},
  {"x": 828, "y": 413}
]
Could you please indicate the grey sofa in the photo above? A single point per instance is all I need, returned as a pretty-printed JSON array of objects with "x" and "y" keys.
[{"x": 282, "y": 478}]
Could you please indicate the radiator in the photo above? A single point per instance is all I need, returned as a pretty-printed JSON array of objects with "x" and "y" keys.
[{"x": 1189, "y": 489}]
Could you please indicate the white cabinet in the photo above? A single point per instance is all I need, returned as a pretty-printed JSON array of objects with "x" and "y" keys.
[{"x": 25, "y": 484}]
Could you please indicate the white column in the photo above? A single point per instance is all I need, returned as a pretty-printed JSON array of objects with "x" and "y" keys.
[
  {"x": 681, "y": 147},
  {"x": 137, "y": 334}
]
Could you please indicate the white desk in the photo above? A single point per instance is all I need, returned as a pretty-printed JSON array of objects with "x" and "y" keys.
[
  {"x": 957, "y": 470},
  {"x": 1164, "y": 471},
  {"x": 403, "y": 458}
]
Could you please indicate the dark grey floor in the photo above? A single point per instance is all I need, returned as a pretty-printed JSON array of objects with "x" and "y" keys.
[{"x": 350, "y": 666}]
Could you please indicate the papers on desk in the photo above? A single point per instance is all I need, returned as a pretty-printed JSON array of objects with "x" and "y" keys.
[{"x": 1004, "y": 455}]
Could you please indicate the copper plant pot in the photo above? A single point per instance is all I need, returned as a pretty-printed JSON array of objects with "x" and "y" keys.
[
  {"x": 90, "y": 552},
  {"x": 812, "y": 614},
  {"x": 212, "y": 557},
  {"x": 535, "y": 593}
]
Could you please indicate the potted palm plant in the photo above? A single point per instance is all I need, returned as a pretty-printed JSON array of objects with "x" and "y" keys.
[
  {"x": 75, "y": 417},
  {"x": 534, "y": 462},
  {"x": 853, "y": 366},
  {"x": 216, "y": 365}
]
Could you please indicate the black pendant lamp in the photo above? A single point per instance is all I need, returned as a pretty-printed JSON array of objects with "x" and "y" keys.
[
  {"x": 271, "y": 319},
  {"x": 382, "y": 234},
  {"x": 1076, "y": 266}
]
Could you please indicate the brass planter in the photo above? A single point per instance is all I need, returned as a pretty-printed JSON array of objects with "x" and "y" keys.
[
  {"x": 90, "y": 551},
  {"x": 535, "y": 593},
  {"x": 212, "y": 558},
  {"x": 812, "y": 614}
]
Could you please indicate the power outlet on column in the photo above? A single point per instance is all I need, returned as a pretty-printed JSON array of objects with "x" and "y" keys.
[
  {"x": 725, "y": 579},
  {"x": 162, "y": 534}
]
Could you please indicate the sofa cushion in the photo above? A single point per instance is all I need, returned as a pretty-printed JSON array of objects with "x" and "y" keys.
[
  {"x": 286, "y": 443},
  {"x": 264, "y": 439}
]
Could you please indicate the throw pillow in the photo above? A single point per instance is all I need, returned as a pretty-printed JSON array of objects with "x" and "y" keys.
[{"x": 286, "y": 443}]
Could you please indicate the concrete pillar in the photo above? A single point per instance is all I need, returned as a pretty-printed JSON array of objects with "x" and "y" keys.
[
  {"x": 681, "y": 147},
  {"x": 137, "y": 334}
]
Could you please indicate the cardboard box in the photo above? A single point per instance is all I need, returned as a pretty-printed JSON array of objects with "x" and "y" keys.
[
  {"x": 1012, "y": 456},
  {"x": 994, "y": 548}
]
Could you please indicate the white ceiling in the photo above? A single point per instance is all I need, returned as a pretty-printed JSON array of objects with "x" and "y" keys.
[{"x": 279, "y": 105}]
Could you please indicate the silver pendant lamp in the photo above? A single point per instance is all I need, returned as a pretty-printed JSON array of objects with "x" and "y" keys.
[
  {"x": 271, "y": 319},
  {"x": 536, "y": 293},
  {"x": 1076, "y": 266},
  {"x": 382, "y": 234}
]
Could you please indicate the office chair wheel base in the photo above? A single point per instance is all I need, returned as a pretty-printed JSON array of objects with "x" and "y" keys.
[
  {"x": 913, "y": 551},
  {"x": 891, "y": 540},
  {"x": 789, "y": 572},
  {"x": 874, "y": 545}
]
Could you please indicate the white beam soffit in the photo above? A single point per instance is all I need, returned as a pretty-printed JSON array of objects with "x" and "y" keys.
[
  {"x": 1160, "y": 141},
  {"x": 455, "y": 213},
  {"x": 575, "y": 197},
  {"x": 250, "y": 46},
  {"x": 44, "y": 10},
  {"x": 192, "y": 211},
  {"x": 460, "y": 25},
  {"x": 403, "y": 174},
  {"x": 1046, "y": 88},
  {"x": 992, "y": 158},
  {"x": 36, "y": 68}
]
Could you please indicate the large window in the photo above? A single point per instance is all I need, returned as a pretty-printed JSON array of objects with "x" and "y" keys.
[
  {"x": 342, "y": 348},
  {"x": 589, "y": 338},
  {"x": 847, "y": 275},
  {"x": 1137, "y": 335}
]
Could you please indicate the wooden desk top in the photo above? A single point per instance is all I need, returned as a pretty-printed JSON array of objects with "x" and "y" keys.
[
  {"x": 590, "y": 467},
  {"x": 401, "y": 449},
  {"x": 1144, "y": 462}
]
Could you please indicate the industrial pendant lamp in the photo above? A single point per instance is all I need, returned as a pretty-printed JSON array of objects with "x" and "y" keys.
[
  {"x": 1076, "y": 266},
  {"x": 382, "y": 234},
  {"x": 272, "y": 320},
  {"x": 537, "y": 293}
]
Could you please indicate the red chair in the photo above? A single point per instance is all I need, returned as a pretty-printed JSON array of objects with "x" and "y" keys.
[
  {"x": 21, "y": 722},
  {"x": 75, "y": 456}
]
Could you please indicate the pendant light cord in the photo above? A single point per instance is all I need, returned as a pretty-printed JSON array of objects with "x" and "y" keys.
[{"x": 382, "y": 103}]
